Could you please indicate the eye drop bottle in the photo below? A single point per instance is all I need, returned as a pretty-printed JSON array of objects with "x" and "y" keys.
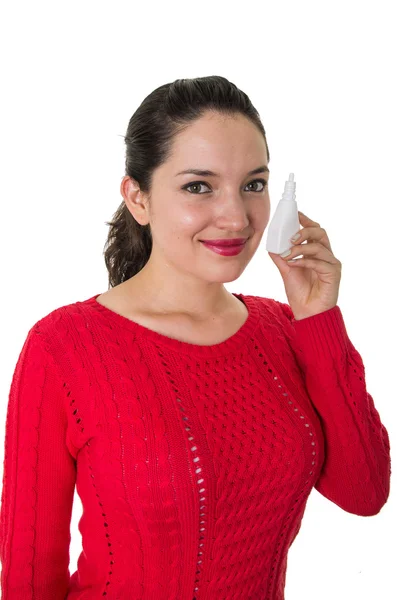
[{"x": 285, "y": 221}]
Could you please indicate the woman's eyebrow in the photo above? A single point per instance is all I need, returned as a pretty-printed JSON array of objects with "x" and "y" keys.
[{"x": 207, "y": 173}]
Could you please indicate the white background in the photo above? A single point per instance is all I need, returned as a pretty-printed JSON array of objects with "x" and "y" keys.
[{"x": 322, "y": 76}]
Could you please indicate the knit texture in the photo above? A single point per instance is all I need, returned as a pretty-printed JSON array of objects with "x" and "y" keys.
[{"x": 193, "y": 463}]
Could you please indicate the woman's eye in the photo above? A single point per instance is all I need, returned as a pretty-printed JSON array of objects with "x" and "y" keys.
[
  {"x": 263, "y": 181},
  {"x": 197, "y": 184}
]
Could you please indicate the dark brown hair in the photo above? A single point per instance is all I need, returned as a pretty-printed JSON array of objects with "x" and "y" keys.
[{"x": 163, "y": 114}]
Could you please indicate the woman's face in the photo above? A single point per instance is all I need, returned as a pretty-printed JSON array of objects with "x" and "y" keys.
[{"x": 187, "y": 208}]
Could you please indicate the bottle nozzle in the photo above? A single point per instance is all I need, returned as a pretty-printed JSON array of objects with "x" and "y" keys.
[{"x": 289, "y": 188}]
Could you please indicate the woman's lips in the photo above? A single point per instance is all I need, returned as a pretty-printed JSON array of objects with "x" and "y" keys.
[{"x": 225, "y": 250}]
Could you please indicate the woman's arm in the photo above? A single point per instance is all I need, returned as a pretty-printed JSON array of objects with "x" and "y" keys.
[
  {"x": 38, "y": 480},
  {"x": 357, "y": 468}
]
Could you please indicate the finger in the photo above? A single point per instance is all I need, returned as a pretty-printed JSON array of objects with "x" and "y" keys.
[
  {"x": 307, "y": 223},
  {"x": 314, "y": 234},
  {"x": 319, "y": 266},
  {"x": 316, "y": 250},
  {"x": 308, "y": 220}
]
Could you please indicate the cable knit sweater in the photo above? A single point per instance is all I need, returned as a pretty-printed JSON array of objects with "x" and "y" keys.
[{"x": 193, "y": 463}]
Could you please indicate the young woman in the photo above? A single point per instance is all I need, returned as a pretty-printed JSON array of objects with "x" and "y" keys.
[{"x": 193, "y": 422}]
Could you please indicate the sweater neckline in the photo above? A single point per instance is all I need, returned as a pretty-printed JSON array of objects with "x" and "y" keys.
[{"x": 234, "y": 342}]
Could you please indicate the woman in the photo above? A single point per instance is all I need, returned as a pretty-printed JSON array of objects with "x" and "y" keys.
[{"x": 193, "y": 422}]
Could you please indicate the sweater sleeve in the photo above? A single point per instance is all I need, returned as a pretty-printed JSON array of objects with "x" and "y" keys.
[
  {"x": 38, "y": 480},
  {"x": 357, "y": 467}
]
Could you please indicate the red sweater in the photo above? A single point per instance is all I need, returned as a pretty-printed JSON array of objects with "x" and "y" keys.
[{"x": 193, "y": 463}]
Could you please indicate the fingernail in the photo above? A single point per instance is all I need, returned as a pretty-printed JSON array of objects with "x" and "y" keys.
[
  {"x": 296, "y": 237},
  {"x": 286, "y": 253}
]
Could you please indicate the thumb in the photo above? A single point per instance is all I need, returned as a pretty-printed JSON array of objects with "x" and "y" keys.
[{"x": 280, "y": 263}]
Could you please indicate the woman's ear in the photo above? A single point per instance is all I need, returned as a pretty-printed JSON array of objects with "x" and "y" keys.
[{"x": 134, "y": 199}]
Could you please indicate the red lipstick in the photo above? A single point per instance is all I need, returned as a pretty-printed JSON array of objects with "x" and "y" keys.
[{"x": 226, "y": 247}]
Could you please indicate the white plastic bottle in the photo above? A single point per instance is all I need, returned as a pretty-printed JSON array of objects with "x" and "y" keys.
[{"x": 285, "y": 222}]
